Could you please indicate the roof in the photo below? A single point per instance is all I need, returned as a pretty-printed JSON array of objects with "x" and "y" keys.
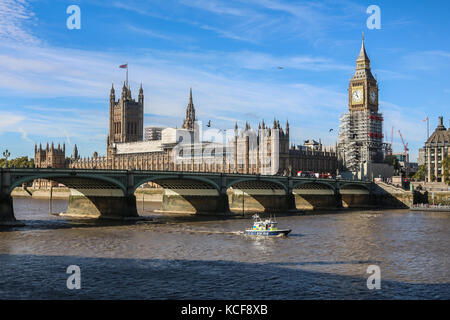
[{"x": 440, "y": 136}]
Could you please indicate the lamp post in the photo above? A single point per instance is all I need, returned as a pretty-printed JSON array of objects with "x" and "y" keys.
[{"x": 6, "y": 154}]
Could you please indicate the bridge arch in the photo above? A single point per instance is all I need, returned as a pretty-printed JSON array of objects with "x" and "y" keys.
[
  {"x": 257, "y": 194},
  {"x": 257, "y": 179},
  {"x": 355, "y": 195},
  {"x": 155, "y": 179},
  {"x": 66, "y": 178},
  {"x": 315, "y": 195},
  {"x": 297, "y": 184},
  {"x": 187, "y": 193},
  {"x": 93, "y": 194},
  {"x": 355, "y": 186}
]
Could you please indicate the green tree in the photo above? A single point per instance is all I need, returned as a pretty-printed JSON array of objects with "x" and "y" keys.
[
  {"x": 420, "y": 174},
  {"x": 20, "y": 162},
  {"x": 446, "y": 169}
]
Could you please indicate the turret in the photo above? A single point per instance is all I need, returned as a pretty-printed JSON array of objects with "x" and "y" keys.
[
  {"x": 141, "y": 96},
  {"x": 75, "y": 152},
  {"x": 112, "y": 95},
  {"x": 124, "y": 92}
]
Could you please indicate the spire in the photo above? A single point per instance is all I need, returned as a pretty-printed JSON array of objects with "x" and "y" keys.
[
  {"x": 190, "y": 114},
  {"x": 141, "y": 95},
  {"x": 112, "y": 89},
  {"x": 363, "y": 59},
  {"x": 75, "y": 152},
  {"x": 363, "y": 64},
  {"x": 124, "y": 91}
]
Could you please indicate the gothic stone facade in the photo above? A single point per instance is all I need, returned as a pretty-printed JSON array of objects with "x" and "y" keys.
[
  {"x": 262, "y": 151},
  {"x": 361, "y": 130}
]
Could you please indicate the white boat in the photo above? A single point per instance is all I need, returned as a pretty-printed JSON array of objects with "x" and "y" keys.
[{"x": 268, "y": 227}]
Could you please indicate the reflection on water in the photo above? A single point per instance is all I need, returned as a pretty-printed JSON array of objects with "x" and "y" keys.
[{"x": 325, "y": 256}]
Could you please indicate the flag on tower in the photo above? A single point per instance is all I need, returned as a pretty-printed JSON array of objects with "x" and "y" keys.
[
  {"x": 125, "y": 66},
  {"x": 426, "y": 119}
]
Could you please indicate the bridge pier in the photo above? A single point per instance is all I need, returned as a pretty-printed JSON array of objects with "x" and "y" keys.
[
  {"x": 7, "y": 217},
  {"x": 102, "y": 204},
  {"x": 263, "y": 200},
  {"x": 199, "y": 201},
  {"x": 316, "y": 196}
]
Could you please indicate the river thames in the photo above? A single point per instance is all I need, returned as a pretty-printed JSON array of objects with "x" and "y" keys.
[{"x": 187, "y": 257}]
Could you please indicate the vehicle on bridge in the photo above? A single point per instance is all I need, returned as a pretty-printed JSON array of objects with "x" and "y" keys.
[
  {"x": 267, "y": 227},
  {"x": 305, "y": 174}
]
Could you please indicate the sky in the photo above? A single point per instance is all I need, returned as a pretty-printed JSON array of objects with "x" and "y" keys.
[{"x": 55, "y": 81}]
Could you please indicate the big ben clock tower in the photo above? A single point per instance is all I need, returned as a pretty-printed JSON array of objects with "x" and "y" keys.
[
  {"x": 360, "y": 143},
  {"x": 363, "y": 88}
]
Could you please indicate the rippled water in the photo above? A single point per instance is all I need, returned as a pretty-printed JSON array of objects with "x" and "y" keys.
[{"x": 186, "y": 257}]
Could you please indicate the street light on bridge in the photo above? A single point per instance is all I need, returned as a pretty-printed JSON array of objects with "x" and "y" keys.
[{"x": 6, "y": 154}]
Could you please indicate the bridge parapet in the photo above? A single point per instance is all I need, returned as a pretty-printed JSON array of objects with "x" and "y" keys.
[{"x": 110, "y": 193}]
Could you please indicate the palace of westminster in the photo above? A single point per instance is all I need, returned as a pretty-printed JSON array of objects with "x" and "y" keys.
[{"x": 265, "y": 150}]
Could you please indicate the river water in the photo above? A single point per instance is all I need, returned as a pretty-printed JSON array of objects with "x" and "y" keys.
[{"x": 326, "y": 256}]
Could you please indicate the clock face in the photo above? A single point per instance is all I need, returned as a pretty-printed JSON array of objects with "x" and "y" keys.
[
  {"x": 357, "y": 95},
  {"x": 373, "y": 96}
]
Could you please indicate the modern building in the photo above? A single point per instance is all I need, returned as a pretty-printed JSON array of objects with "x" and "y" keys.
[
  {"x": 360, "y": 142},
  {"x": 152, "y": 133},
  {"x": 437, "y": 148},
  {"x": 421, "y": 157}
]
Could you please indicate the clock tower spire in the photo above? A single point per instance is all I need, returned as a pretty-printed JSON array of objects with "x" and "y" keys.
[{"x": 363, "y": 87}]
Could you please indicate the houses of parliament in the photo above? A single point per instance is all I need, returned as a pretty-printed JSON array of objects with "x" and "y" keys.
[
  {"x": 243, "y": 153},
  {"x": 263, "y": 150}
]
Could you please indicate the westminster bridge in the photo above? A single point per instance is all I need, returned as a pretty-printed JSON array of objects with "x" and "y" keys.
[{"x": 110, "y": 193}]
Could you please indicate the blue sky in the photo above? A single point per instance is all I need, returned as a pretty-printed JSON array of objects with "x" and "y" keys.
[{"x": 55, "y": 82}]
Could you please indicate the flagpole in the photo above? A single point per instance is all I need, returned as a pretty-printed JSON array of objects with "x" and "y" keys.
[
  {"x": 127, "y": 76},
  {"x": 428, "y": 128}
]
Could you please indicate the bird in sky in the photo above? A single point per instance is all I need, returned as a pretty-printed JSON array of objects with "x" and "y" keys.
[{"x": 209, "y": 124}]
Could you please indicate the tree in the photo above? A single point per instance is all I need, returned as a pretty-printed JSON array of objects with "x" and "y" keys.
[
  {"x": 446, "y": 169},
  {"x": 420, "y": 174},
  {"x": 21, "y": 162}
]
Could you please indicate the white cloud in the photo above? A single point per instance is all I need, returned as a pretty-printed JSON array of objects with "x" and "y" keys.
[
  {"x": 13, "y": 14},
  {"x": 9, "y": 120}
]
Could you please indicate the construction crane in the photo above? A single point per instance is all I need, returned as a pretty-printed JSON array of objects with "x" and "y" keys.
[
  {"x": 405, "y": 146},
  {"x": 392, "y": 138}
]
